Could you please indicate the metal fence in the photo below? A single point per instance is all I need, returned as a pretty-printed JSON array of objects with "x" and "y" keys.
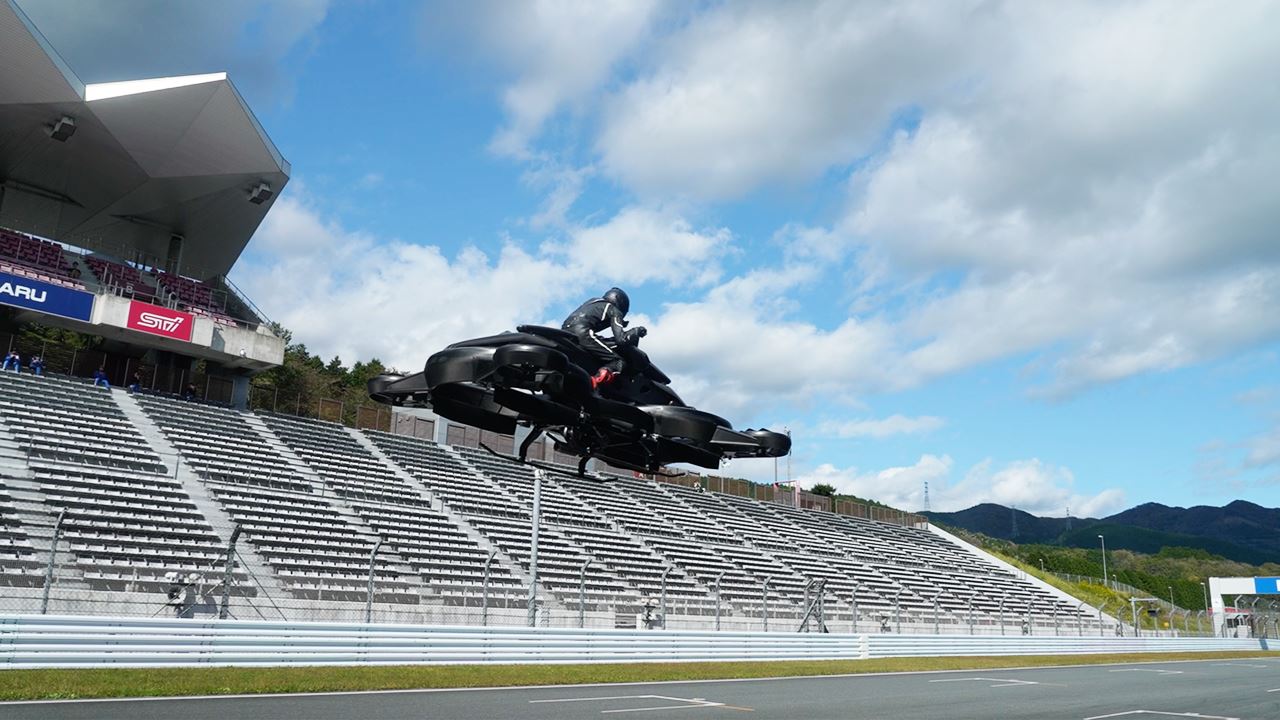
[
  {"x": 247, "y": 589},
  {"x": 68, "y": 641}
]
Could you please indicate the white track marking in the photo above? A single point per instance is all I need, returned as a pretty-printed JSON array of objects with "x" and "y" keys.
[
  {"x": 1276, "y": 690},
  {"x": 1249, "y": 665},
  {"x": 1158, "y": 712},
  {"x": 1150, "y": 670},
  {"x": 686, "y": 703},
  {"x": 1000, "y": 682}
]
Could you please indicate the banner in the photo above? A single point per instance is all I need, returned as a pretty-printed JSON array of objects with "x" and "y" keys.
[
  {"x": 157, "y": 320},
  {"x": 45, "y": 297}
]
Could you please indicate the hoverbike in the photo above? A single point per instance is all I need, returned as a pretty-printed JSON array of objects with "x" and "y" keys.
[{"x": 540, "y": 378}]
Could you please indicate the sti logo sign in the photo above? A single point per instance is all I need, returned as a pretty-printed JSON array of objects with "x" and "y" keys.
[
  {"x": 45, "y": 297},
  {"x": 156, "y": 320}
]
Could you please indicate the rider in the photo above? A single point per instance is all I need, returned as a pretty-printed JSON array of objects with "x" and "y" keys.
[{"x": 594, "y": 316}]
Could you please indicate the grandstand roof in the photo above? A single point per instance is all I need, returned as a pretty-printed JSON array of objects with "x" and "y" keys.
[{"x": 148, "y": 158}]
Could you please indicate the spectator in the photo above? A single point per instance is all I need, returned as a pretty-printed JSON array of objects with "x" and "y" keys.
[
  {"x": 100, "y": 378},
  {"x": 37, "y": 365},
  {"x": 189, "y": 393},
  {"x": 13, "y": 360},
  {"x": 135, "y": 381}
]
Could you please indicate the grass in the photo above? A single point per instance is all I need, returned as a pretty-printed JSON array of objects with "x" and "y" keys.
[{"x": 158, "y": 682}]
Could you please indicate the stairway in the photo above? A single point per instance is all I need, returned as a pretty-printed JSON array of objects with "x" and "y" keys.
[{"x": 221, "y": 523}]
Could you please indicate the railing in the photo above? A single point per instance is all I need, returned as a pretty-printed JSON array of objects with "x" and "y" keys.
[{"x": 64, "y": 641}]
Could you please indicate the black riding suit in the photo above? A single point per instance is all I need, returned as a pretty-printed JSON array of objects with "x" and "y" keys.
[{"x": 590, "y": 318}]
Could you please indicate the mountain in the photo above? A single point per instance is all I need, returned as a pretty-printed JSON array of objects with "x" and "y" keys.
[{"x": 1239, "y": 531}]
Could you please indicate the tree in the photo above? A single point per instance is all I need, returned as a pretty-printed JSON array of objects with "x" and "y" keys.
[{"x": 823, "y": 489}]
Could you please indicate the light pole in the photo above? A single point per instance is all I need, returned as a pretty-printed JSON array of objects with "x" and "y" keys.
[
  {"x": 1104, "y": 560},
  {"x": 1041, "y": 564}
]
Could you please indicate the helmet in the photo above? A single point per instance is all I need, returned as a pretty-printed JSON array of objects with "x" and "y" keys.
[{"x": 619, "y": 298}]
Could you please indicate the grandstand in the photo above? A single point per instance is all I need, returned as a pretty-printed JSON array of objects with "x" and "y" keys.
[
  {"x": 152, "y": 485},
  {"x": 122, "y": 209}
]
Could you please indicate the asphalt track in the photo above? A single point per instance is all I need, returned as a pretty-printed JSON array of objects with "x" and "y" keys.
[{"x": 1204, "y": 689}]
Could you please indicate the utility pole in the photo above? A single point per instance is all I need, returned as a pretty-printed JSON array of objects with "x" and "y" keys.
[{"x": 1105, "y": 581}]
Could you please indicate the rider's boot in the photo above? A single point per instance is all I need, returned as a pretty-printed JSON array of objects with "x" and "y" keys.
[{"x": 603, "y": 376}]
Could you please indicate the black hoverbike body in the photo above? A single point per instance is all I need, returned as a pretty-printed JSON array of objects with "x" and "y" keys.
[{"x": 539, "y": 377}]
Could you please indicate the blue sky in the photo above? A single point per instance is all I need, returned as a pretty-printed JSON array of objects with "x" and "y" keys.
[{"x": 1024, "y": 252}]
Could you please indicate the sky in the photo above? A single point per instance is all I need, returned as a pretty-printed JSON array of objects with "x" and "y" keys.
[{"x": 1024, "y": 252}]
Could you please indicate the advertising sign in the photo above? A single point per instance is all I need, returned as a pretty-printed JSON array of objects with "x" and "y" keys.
[
  {"x": 45, "y": 297},
  {"x": 157, "y": 320}
]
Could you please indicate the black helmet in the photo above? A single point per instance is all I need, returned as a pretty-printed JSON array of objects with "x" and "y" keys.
[{"x": 619, "y": 298}]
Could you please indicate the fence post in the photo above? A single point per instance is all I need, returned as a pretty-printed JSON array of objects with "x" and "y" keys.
[
  {"x": 718, "y": 579},
  {"x": 665, "y": 573},
  {"x": 227, "y": 577},
  {"x": 764, "y": 602},
  {"x": 533, "y": 547},
  {"x": 484, "y": 596},
  {"x": 368, "y": 601},
  {"x": 970, "y": 614},
  {"x": 897, "y": 612},
  {"x": 936, "y": 628},
  {"x": 854, "y": 605},
  {"x": 582, "y": 594},
  {"x": 1001, "y": 615},
  {"x": 53, "y": 555}
]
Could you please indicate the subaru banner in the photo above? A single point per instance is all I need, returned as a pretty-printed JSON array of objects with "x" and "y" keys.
[
  {"x": 45, "y": 297},
  {"x": 157, "y": 320}
]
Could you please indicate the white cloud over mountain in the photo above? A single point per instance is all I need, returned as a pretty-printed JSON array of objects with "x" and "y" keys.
[{"x": 1029, "y": 485}]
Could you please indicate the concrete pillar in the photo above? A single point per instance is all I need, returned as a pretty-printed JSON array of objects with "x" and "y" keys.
[
  {"x": 173, "y": 260},
  {"x": 240, "y": 391}
]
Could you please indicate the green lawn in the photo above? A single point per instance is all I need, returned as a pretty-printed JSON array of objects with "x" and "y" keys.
[{"x": 144, "y": 682}]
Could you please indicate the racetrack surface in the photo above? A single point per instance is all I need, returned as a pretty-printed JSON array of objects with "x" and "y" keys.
[{"x": 1204, "y": 689}]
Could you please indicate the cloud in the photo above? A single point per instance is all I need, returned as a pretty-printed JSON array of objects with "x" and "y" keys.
[
  {"x": 881, "y": 427},
  {"x": 557, "y": 53},
  {"x": 757, "y": 92},
  {"x": 1099, "y": 196},
  {"x": 253, "y": 40},
  {"x": 1029, "y": 485},
  {"x": 356, "y": 295},
  {"x": 1263, "y": 450}
]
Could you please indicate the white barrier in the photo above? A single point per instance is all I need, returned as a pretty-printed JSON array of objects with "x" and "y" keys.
[{"x": 31, "y": 641}]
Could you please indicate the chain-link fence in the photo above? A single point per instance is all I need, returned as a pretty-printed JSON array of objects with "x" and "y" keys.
[{"x": 37, "y": 580}]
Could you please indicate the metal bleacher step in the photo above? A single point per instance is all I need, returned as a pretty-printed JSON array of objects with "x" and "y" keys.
[
  {"x": 297, "y": 465},
  {"x": 457, "y": 519},
  {"x": 195, "y": 488}
]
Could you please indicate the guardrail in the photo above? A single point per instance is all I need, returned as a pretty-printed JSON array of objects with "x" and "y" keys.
[{"x": 34, "y": 641}]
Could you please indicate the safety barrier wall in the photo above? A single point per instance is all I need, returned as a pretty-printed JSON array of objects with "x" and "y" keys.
[{"x": 29, "y": 641}]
